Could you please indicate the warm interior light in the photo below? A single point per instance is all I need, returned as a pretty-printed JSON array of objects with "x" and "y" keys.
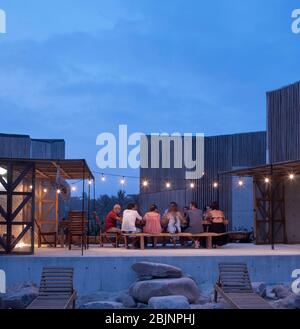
[
  {"x": 291, "y": 176},
  {"x": 31, "y": 187},
  {"x": 267, "y": 180},
  {"x": 192, "y": 185},
  {"x": 58, "y": 191},
  {"x": 45, "y": 190},
  {"x": 216, "y": 184},
  {"x": 168, "y": 185},
  {"x": 3, "y": 171},
  {"x": 145, "y": 183},
  {"x": 21, "y": 245}
]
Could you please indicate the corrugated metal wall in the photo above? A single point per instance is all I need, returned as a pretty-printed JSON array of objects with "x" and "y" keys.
[
  {"x": 21, "y": 146},
  {"x": 47, "y": 149},
  {"x": 222, "y": 153},
  {"x": 283, "y": 115},
  {"x": 14, "y": 146}
]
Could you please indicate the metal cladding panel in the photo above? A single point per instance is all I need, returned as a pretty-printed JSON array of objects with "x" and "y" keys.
[
  {"x": 283, "y": 117},
  {"x": 222, "y": 153}
]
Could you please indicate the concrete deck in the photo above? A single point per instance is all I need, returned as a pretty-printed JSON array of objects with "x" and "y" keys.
[{"x": 109, "y": 269}]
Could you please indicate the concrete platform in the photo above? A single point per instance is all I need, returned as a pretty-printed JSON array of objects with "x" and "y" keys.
[{"x": 109, "y": 269}]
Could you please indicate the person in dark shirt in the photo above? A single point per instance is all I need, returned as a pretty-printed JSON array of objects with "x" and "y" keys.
[{"x": 112, "y": 219}]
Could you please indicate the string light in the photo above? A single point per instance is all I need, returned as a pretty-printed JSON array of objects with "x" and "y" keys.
[
  {"x": 241, "y": 183},
  {"x": 168, "y": 185},
  {"x": 90, "y": 182},
  {"x": 45, "y": 190},
  {"x": 73, "y": 188},
  {"x": 122, "y": 181},
  {"x": 145, "y": 183},
  {"x": 267, "y": 180},
  {"x": 215, "y": 184},
  {"x": 192, "y": 185},
  {"x": 58, "y": 191},
  {"x": 31, "y": 187},
  {"x": 291, "y": 176},
  {"x": 103, "y": 178}
]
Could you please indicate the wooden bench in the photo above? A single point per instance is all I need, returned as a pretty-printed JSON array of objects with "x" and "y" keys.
[
  {"x": 109, "y": 235},
  {"x": 207, "y": 235}
]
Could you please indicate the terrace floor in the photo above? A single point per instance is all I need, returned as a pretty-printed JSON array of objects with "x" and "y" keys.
[{"x": 228, "y": 250}]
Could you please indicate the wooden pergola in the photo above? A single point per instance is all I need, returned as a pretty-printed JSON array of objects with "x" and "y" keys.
[
  {"x": 269, "y": 198},
  {"x": 18, "y": 193}
]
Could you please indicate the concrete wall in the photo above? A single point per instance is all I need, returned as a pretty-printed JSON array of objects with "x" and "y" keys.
[
  {"x": 292, "y": 211},
  {"x": 115, "y": 273}
]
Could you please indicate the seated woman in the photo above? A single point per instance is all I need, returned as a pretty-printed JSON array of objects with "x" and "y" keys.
[
  {"x": 174, "y": 219},
  {"x": 217, "y": 219},
  {"x": 152, "y": 221}
]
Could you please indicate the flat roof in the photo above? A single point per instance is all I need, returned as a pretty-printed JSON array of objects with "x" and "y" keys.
[
  {"x": 47, "y": 168},
  {"x": 278, "y": 169}
]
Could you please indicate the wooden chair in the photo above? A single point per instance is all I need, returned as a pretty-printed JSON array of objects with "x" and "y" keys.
[
  {"x": 56, "y": 289},
  {"x": 235, "y": 287},
  {"x": 42, "y": 237},
  {"x": 77, "y": 227}
]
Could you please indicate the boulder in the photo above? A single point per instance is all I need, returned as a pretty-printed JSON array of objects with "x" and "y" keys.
[
  {"x": 127, "y": 300},
  {"x": 20, "y": 296},
  {"x": 102, "y": 305},
  {"x": 169, "y": 303},
  {"x": 260, "y": 288},
  {"x": 281, "y": 291},
  {"x": 156, "y": 270},
  {"x": 292, "y": 301},
  {"x": 142, "y": 291}
]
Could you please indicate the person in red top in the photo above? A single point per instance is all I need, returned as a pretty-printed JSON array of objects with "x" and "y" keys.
[{"x": 112, "y": 219}]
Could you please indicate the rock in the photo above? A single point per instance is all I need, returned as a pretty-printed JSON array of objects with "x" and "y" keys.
[
  {"x": 281, "y": 291},
  {"x": 260, "y": 288},
  {"x": 201, "y": 300},
  {"x": 144, "y": 290},
  {"x": 19, "y": 297},
  {"x": 290, "y": 302},
  {"x": 169, "y": 303},
  {"x": 141, "y": 306},
  {"x": 102, "y": 305},
  {"x": 96, "y": 296},
  {"x": 156, "y": 270},
  {"x": 127, "y": 300}
]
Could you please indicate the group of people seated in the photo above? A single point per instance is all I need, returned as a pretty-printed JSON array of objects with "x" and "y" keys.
[{"x": 192, "y": 220}]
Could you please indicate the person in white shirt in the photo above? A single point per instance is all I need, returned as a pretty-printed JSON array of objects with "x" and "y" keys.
[{"x": 130, "y": 218}]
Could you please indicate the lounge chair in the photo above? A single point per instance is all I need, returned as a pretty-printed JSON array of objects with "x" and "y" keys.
[
  {"x": 56, "y": 289},
  {"x": 235, "y": 287}
]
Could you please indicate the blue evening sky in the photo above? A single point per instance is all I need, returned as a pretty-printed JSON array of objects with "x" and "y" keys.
[{"x": 75, "y": 68}]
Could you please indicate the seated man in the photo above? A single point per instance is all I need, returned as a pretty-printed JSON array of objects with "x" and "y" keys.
[
  {"x": 194, "y": 216},
  {"x": 112, "y": 219},
  {"x": 131, "y": 218}
]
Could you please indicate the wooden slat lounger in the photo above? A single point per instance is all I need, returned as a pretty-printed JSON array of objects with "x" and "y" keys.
[
  {"x": 235, "y": 287},
  {"x": 56, "y": 289}
]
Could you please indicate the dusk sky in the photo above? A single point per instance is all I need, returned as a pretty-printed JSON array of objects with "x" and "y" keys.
[{"x": 73, "y": 69}]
